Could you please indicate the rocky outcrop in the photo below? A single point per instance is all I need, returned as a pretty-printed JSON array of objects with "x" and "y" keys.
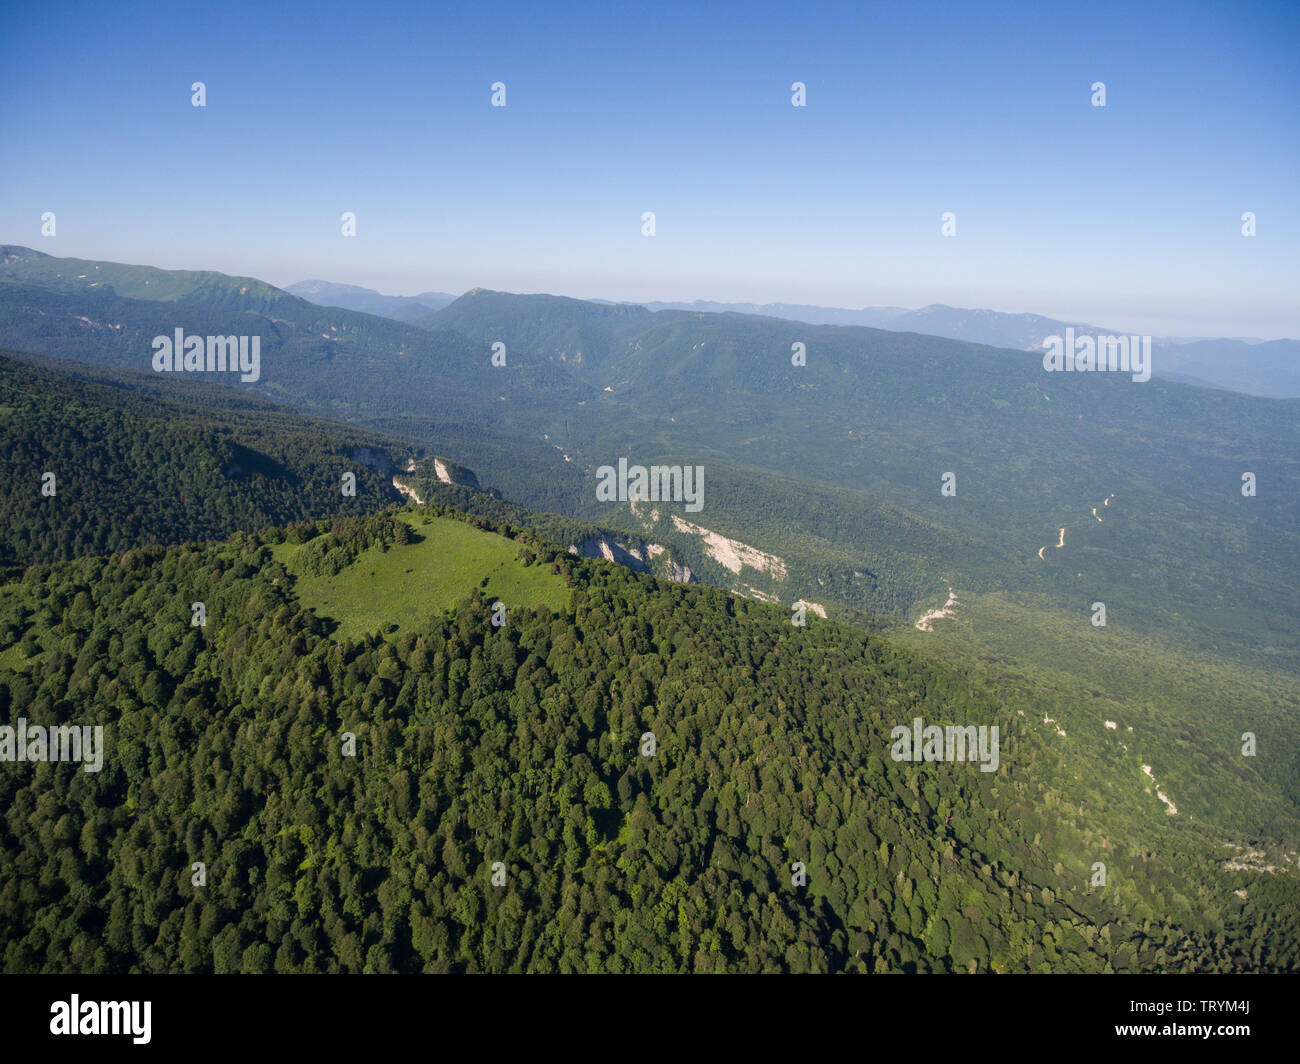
[
  {"x": 681, "y": 574},
  {"x": 407, "y": 491},
  {"x": 731, "y": 553},
  {"x": 611, "y": 551},
  {"x": 632, "y": 558}
]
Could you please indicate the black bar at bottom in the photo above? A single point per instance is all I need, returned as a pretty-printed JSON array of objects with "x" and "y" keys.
[{"x": 339, "y": 1014}]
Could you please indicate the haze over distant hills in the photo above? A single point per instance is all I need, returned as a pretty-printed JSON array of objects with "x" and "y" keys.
[
  {"x": 832, "y": 468},
  {"x": 992, "y": 327},
  {"x": 1241, "y": 364},
  {"x": 1266, "y": 368},
  {"x": 367, "y": 300}
]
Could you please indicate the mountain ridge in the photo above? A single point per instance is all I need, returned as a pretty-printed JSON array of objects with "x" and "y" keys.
[{"x": 884, "y": 416}]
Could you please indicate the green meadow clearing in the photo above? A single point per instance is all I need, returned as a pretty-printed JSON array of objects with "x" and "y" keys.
[{"x": 407, "y": 584}]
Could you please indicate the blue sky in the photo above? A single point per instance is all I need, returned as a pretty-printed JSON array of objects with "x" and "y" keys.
[{"x": 1126, "y": 216}]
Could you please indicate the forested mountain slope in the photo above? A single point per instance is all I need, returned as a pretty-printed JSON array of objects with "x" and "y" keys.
[
  {"x": 132, "y": 468},
  {"x": 1145, "y": 478},
  {"x": 499, "y": 812},
  {"x": 395, "y": 378},
  {"x": 148, "y": 458},
  {"x": 521, "y": 743}
]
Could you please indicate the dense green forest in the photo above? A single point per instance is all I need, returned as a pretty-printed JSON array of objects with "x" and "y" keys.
[
  {"x": 131, "y": 468},
  {"x": 498, "y": 812}
]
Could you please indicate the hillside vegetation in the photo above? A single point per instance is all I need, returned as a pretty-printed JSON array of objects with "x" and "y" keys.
[
  {"x": 131, "y": 467},
  {"x": 498, "y": 814}
]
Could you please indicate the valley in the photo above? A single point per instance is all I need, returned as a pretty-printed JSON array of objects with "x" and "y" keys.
[{"x": 899, "y": 408}]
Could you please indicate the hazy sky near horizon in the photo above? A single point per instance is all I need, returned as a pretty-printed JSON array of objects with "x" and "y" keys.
[{"x": 1127, "y": 216}]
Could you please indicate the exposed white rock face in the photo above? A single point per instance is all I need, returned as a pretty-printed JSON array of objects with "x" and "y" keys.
[
  {"x": 630, "y": 557},
  {"x": 610, "y": 550},
  {"x": 406, "y": 491},
  {"x": 732, "y": 554},
  {"x": 926, "y": 623},
  {"x": 1173, "y": 809}
]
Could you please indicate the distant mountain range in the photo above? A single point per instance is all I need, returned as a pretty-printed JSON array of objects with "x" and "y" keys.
[
  {"x": 368, "y": 301},
  {"x": 1239, "y": 364},
  {"x": 1269, "y": 368},
  {"x": 992, "y": 327},
  {"x": 1248, "y": 365},
  {"x": 822, "y": 480}
]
